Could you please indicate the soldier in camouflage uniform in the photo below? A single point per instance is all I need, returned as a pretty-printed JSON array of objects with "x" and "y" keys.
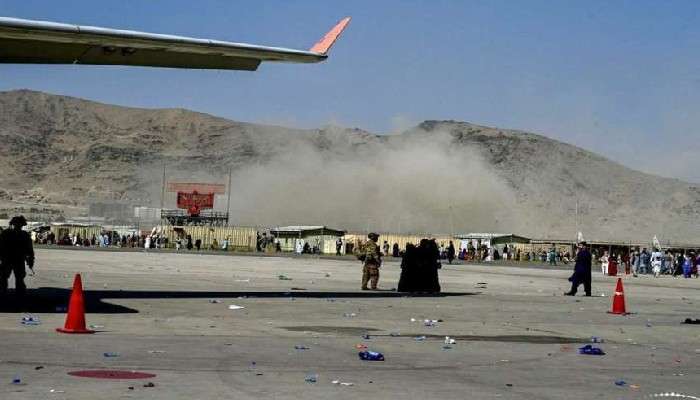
[{"x": 373, "y": 260}]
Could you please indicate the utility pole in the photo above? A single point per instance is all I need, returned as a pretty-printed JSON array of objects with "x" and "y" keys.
[{"x": 228, "y": 198}]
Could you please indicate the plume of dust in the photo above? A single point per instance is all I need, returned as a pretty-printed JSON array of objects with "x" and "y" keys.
[{"x": 406, "y": 183}]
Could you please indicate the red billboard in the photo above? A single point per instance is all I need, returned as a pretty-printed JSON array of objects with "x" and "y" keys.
[{"x": 194, "y": 202}]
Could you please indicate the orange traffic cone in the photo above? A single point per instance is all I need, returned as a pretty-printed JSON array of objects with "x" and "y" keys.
[
  {"x": 75, "y": 320},
  {"x": 618, "y": 305}
]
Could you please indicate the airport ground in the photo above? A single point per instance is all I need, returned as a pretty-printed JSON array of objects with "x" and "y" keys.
[{"x": 516, "y": 335}]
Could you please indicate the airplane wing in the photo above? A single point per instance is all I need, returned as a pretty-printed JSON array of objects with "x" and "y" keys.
[{"x": 40, "y": 42}]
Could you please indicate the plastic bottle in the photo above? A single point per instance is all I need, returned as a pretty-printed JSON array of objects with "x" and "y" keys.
[{"x": 371, "y": 356}]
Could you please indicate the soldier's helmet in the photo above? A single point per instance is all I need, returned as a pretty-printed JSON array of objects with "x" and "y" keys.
[
  {"x": 373, "y": 236},
  {"x": 18, "y": 221}
]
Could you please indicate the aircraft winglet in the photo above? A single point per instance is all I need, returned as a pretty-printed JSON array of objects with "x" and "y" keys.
[{"x": 325, "y": 44}]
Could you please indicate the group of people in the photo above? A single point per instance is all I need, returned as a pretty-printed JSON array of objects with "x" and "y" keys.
[{"x": 419, "y": 265}]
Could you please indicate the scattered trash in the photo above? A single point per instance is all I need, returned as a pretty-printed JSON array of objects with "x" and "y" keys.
[
  {"x": 39, "y": 367},
  {"x": 620, "y": 383},
  {"x": 337, "y": 382},
  {"x": 242, "y": 280},
  {"x": 149, "y": 385},
  {"x": 395, "y": 334},
  {"x": 370, "y": 356},
  {"x": 131, "y": 388},
  {"x": 349, "y": 315},
  {"x": 692, "y": 321},
  {"x": 96, "y": 326},
  {"x": 597, "y": 339},
  {"x": 311, "y": 378},
  {"x": 449, "y": 340},
  {"x": 56, "y": 391},
  {"x": 590, "y": 350},
  {"x": 301, "y": 347},
  {"x": 413, "y": 320},
  {"x": 215, "y": 301},
  {"x": 420, "y": 338},
  {"x": 16, "y": 380},
  {"x": 284, "y": 278},
  {"x": 156, "y": 351},
  {"x": 110, "y": 354},
  {"x": 635, "y": 387},
  {"x": 328, "y": 275},
  {"x": 648, "y": 323},
  {"x": 30, "y": 320},
  {"x": 430, "y": 322},
  {"x": 235, "y": 307}
]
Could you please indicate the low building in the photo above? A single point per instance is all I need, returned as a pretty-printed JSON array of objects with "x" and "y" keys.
[{"x": 319, "y": 237}]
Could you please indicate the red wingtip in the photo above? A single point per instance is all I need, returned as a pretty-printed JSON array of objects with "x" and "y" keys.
[{"x": 325, "y": 44}]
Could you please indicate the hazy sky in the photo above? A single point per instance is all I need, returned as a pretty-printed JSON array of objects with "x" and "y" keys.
[{"x": 616, "y": 77}]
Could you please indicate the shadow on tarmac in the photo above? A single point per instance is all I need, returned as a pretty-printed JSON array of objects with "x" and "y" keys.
[{"x": 55, "y": 300}]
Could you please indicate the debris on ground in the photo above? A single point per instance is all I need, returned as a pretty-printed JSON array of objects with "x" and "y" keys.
[
  {"x": 338, "y": 382},
  {"x": 156, "y": 351},
  {"x": 110, "y": 354},
  {"x": 349, "y": 315},
  {"x": 30, "y": 320},
  {"x": 395, "y": 334},
  {"x": 56, "y": 391},
  {"x": 215, "y": 301},
  {"x": 597, "y": 339},
  {"x": 691, "y": 321},
  {"x": 620, "y": 383},
  {"x": 16, "y": 380},
  {"x": 149, "y": 385},
  {"x": 449, "y": 340},
  {"x": 366, "y": 336},
  {"x": 311, "y": 378},
  {"x": 371, "y": 356},
  {"x": 284, "y": 278},
  {"x": 235, "y": 307},
  {"x": 38, "y": 367},
  {"x": 420, "y": 338},
  {"x": 96, "y": 327},
  {"x": 591, "y": 350},
  {"x": 301, "y": 347}
]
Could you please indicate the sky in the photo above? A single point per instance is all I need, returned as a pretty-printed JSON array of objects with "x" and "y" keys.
[{"x": 620, "y": 78}]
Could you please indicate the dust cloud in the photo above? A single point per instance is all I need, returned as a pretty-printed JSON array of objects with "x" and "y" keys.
[{"x": 406, "y": 183}]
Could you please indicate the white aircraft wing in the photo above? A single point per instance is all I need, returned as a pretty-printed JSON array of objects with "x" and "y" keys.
[{"x": 40, "y": 42}]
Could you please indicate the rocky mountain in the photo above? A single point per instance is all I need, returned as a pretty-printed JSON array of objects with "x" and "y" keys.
[{"x": 59, "y": 153}]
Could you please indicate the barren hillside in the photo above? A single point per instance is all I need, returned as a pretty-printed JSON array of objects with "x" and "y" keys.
[{"x": 441, "y": 176}]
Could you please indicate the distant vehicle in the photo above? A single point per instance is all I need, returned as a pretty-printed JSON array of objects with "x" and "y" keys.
[{"x": 41, "y": 42}]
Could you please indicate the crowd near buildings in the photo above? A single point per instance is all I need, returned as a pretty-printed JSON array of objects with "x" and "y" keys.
[{"x": 612, "y": 258}]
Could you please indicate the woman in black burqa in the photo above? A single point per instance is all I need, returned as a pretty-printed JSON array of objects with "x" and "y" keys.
[{"x": 419, "y": 268}]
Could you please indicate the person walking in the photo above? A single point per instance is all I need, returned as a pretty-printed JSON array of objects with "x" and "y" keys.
[
  {"x": 15, "y": 250},
  {"x": 450, "y": 252},
  {"x": 338, "y": 246},
  {"x": 582, "y": 271},
  {"x": 372, "y": 258}
]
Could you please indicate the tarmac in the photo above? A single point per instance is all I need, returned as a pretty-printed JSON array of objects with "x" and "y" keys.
[{"x": 517, "y": 336}]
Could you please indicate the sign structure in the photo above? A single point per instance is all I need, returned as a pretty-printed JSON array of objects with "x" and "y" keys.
[{"x": 194, "y": 202}]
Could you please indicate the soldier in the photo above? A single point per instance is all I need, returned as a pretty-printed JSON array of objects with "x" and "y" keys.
[
  {"x": 373, "y": 260},
  {"x": 15, "y": 250}
]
